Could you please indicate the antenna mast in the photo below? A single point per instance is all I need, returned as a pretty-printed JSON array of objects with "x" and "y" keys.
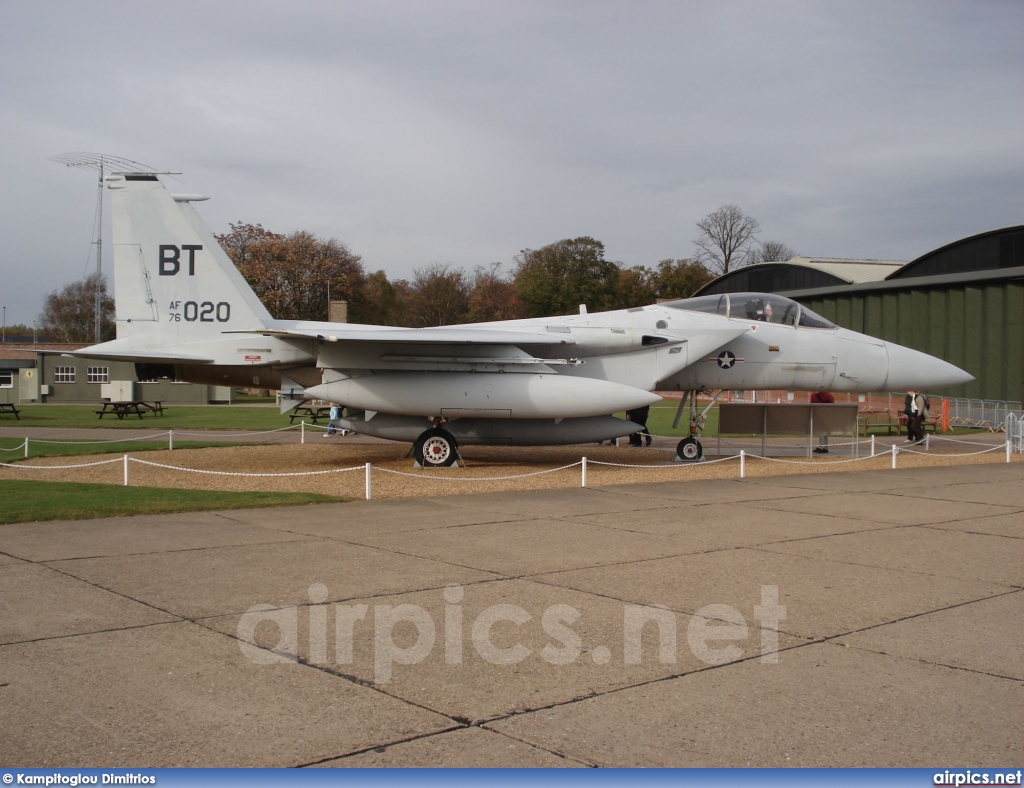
[{"x": 104, "y": 163}]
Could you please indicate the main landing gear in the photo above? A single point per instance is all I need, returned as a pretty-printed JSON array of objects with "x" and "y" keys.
[
  {"x": 436, "y": 448},
  {"x": 689, "y": 448}
]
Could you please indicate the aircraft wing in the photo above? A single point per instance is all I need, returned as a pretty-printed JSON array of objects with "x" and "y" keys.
[{"x": 418, "y": 336}]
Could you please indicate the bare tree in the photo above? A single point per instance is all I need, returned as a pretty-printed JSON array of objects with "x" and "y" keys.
[
  {"x": 771, "y": 252},
  {"x": 439, "y": 296},
  {"x": 725, "y": 239},
  {"x": 69, "y": 315}
]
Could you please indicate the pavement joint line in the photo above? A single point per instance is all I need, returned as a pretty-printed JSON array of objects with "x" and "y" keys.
[
  {"x": 930, "y": 527},
  {"x": 178, "y": 620},
  {"x": 377, "y": 747},
  {"x": 645, "y": 683},
  {"x": 760, "y": 549},
  {"x": 683, "y": 611},
  {"x": 854, "y": 516},
  {"x": 48, "y": 561},
  {"x": 382, "y": 595},
  {"x": 923, "y": 613},
  {"x": 335, "y": 673},
  {"x": 537, "y": 745},
  {"x": 930, "y": 663}
]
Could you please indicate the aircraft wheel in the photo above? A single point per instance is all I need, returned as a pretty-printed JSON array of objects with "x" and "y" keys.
[
  {"x": 690, "y": 450},
  {"x": 436, "y": 448}
]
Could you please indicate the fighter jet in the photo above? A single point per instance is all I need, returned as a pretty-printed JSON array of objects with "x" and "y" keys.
[{"x": 183, "y": 311}]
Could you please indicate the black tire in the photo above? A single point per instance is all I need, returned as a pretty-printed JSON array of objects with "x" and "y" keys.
[
  {"x": 690, "y": 450},
  {"x": 436, "y": 448}
]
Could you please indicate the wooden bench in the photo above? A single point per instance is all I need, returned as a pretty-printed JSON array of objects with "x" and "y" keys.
[
  {"x": 931, "y": 423},
  {"x": 310, "y": 412},
  {"x": 8, "y": 407},
  {"x": 125, "y": 409},
  {"x": 877, "y": 419}
]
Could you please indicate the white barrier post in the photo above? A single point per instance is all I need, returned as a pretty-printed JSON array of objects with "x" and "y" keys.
[
  {"x": 126, "y": 470},
  {"x": 872, "y": 445},
  {"x": 1009, "y": 446},
  {"x": 302, "y": 431},
  {"x": 894, "y": 450},
  {"x": 743, "y": 463},
  {"x": 170, "y": 441},
  {"x": 584, "y": 483},
  {"x": 368, "y": 493},
  {"x": 927, "y": 444},
  {"x": 26, "y": 448}
]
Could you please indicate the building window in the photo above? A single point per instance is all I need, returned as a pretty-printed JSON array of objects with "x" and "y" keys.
[
  {"x": 6, "y": 380},
  {"x": 63, "y": 374},
  {"x": 97, "y": 374}
]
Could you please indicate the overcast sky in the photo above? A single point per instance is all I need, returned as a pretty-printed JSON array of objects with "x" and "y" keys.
[{"x": 463, "y": 132}]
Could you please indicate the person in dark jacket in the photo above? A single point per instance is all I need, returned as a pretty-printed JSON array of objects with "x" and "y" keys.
[
  {"x": 822, "y": 398},
  {"x": 916, "y": 409},
  {"x": 639, "y": 416}
]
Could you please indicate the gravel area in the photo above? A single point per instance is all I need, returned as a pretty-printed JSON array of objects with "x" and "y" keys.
[{"x": 339, "y": 468}]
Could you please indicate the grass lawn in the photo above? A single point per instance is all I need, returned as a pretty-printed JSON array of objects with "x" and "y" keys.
[
  {"x": 10, "y": 451},
  {"x": 26, "y": 501},
  {"x": 241, "y": 418}
]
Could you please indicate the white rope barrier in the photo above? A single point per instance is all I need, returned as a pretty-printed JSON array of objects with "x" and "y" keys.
[
  {"x": 239, "y": 473},
  {"x": 237, "y": 434},
  {"x": 24, "y": 467},
  {"x": 19, "y": 447},
  {"x": 480, "y": 478},
  {"x": 152, "y": 437},
  {"x": 813, "y": 462},
  {"x": 1000, "y": 447},
  {"x": 367, "y": 468}
]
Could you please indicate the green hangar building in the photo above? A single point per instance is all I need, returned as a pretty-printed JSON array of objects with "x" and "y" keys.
[{"x": 963, "y": 302}]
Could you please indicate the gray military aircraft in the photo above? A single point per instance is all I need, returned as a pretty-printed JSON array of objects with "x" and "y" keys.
[{"x": 183, "y": 311}]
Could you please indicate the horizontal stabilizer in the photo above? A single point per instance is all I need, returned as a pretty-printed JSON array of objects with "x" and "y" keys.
[{"x": 127, "y": 354}]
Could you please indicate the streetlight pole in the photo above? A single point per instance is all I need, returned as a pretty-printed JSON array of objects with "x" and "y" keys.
[{"x": 5, "y": 324}]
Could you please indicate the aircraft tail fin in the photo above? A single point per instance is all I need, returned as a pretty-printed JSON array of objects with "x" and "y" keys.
[{"x": 173, "y": 283}]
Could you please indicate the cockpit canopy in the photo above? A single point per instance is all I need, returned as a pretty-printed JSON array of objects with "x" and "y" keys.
[{"x": 765, "y": 307}]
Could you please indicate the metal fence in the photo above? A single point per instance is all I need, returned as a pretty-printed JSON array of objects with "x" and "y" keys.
[
  {"x": 1014, "y": 427},
  {"x": 981, "y": 413}
]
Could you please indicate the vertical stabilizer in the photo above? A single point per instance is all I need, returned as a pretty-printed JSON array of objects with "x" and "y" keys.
[{"x": 173, "y": 283}]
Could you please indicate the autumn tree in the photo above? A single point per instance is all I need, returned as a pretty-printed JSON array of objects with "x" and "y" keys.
[
  {"x": 680, "y": 278},
  {"x": 294, "y": 275},
  {"x": 557, "y": 278},
  {"x": 439, "y": 296},
  {"x": 382, "y": 301},
  {"x": 637, "y": 286},
  {"x": 725, "y": 239},
  {"x": 492, "y": 296},
  {"x": 69, "y": 314}
]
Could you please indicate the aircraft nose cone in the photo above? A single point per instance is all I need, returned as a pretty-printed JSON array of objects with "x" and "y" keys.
[{"x": 912, "y": 369}]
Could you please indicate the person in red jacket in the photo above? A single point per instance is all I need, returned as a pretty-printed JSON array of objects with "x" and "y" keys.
[{"x": 826, "y": 398}]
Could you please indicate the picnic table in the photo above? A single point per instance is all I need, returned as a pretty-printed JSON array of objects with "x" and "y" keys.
[
  {"x": 124, "y": 409},
  {"x": 310, "y": 412},
  {"x": 8, "y": 407}
]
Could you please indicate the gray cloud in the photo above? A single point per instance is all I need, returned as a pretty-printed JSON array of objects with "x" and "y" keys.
[{"x": 463, "y": 132}]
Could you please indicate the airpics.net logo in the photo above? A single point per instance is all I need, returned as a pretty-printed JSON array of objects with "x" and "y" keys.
[
  {"x": 975, "y": 777},
  {"x": 382, "y": 636}
]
